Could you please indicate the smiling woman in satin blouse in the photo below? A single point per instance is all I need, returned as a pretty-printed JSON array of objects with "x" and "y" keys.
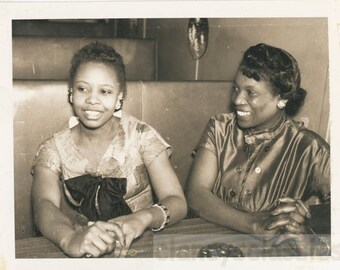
[{"x": 256, "y": 167}]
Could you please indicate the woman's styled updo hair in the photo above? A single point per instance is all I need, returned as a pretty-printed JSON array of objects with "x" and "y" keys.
[
  {"x": 280, "y": 69},
  {"x": 99, "y": 53}
]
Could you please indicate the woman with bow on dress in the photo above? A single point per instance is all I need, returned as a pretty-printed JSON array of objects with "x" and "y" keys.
[{"x": 94, "y": 180}]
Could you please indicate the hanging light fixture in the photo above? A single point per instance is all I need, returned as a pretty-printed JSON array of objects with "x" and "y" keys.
[
  {"x": 197, "y": 37},
  {"x": 198, "y": 31}
]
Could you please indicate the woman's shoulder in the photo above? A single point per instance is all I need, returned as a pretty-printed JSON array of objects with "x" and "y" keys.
[
  {"x": 48, "y": 154},
  {"x": 130, "y": 122},
  {"x": 223, "y": 118},
  {"x": 143, "y": 133},
  {"x": 309, "y": 136},
  {"x": 50, "y": 142},
  {"x": 47, "y": 144}
]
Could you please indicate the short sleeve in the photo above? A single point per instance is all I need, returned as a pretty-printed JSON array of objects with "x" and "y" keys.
[
  {"x": 47, "y": 156},
  {"x": 208, "y": 138},
  {"x": 151, "y": 144},
  {"x": 321, "y": 174}
]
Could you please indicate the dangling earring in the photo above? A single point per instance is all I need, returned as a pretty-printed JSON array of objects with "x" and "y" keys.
[
  {"x": 71, "y": 98},
  {"x": 119, "y": 105},
  {"x": 118, "y": 109},
  {"x": 282, "y": 104}
]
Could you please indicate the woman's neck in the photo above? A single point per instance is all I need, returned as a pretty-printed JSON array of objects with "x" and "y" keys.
[
  {"x": 271, "y": 126},
  {"x": 93, "y": 143},
  {"x": 104, "y": 133}
]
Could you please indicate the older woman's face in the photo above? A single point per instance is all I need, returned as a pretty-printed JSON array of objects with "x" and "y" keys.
[{"x": 255, "y": 103}]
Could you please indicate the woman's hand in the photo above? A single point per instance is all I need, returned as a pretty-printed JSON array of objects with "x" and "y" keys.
[
  {"x": 133, "y": 226},
  {"x": 289, "y": 216},
  {"x": 95, "y": 240},
  {"x": 260, "y": 228}
]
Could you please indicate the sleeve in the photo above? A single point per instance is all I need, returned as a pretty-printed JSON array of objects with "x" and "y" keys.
[
  {"x": 208, "y": 138},
  {"x": 47, "y": 156},
  {"x": 321, "y": 174},
  {"x": 151, "y": 144}
]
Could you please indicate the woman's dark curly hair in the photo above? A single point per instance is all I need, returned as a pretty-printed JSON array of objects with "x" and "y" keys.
[
  {"x": 99, "y": 53},
  {"x": 280, "y": 69}
]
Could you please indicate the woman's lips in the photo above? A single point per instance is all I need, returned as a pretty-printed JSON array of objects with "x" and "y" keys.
[
  {"x": 242, "y": 113},
  {"x": 92, "y": 114}
]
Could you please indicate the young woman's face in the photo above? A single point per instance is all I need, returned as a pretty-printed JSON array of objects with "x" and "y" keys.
[
  {"x": 254, "y": 102},
  {"x": 95, "y": 93}
]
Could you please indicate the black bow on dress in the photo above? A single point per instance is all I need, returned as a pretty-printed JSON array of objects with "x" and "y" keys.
[{"x": 97, "y": 198}]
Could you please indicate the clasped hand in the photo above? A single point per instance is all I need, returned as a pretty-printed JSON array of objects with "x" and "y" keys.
[
  {"x": 287, "y": 220},
  {"x": 289, "y": 216},
  {"x": 132, "y": 226},
  {"x": 98, "y": 238}
]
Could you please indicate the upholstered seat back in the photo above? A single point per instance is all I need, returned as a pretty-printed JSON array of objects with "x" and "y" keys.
[{"x": 178, "y": 110}]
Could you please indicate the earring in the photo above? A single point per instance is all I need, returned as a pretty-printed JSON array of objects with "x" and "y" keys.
[
  {"x": 70, "y": 97},
  {"x": 281, "y": 104},
  {"x": 119, "y": 105}
]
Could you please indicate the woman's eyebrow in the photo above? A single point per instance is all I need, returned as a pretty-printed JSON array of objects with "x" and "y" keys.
[
  {"x": 82, "y": 82},
  {"x": 105, "y": 84},
  {"x": 111, "y": 85}
]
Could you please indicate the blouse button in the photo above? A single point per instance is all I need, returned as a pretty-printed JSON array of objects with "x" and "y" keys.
[
  {"x": 258, "y": 170},
  {"x": 231, "y": 193},
  {"x": 248, "y": 192},
  {"x": 267, "y": 149},
  {"x": 238, "y": 169}
]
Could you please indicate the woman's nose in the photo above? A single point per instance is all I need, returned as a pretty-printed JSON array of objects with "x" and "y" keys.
[
  {"x": 92, "y": 98},
  {"x": 238, "y": 98}
]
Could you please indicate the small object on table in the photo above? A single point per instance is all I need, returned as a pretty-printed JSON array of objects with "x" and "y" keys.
[
  {"x": 134, "y": 252},
  {"x": 220, "y": 250}
]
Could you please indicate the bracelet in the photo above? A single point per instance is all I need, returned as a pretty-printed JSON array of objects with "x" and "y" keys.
[{"x": 166, "y": 217}]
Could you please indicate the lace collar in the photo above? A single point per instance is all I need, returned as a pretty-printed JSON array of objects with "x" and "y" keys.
[{"x": 251, "y": 136}]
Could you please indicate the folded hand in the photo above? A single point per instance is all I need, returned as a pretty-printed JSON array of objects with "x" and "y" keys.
[
  {"x": 95, "y": 240},
  {"x": 132, "y": 226},
  {"x": 289, "y": 216}
]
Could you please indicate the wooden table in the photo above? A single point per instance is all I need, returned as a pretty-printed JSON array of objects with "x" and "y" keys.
[{"x": 180, "y": 240}]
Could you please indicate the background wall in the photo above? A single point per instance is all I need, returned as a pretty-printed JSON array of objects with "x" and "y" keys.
[
  {"x": 102, "y": 28},
  {"x": 305, "y": 38}
]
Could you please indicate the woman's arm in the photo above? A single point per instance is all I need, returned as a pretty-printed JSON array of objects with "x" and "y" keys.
[
  {"x": 56, "y": 226},
  {"x": 46, "y": 199},
  {"x": 167, "y": 189},
  {"x": 210, "y": 207},
  {"x": 169, "y": 193}
]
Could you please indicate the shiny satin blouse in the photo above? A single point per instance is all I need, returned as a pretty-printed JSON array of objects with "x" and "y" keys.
[
  {"x": 131, "y": 151},
  {"x": 257, "y": 168}
]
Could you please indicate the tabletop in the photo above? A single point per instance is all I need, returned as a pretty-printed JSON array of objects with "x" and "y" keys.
[{"x": 184, "y": 239}]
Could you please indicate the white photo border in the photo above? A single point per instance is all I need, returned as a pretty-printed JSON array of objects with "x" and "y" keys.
[{"x": 16, "y": 10}]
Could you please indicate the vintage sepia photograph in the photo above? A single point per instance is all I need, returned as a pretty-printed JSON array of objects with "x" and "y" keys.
[{"x": 202, "y": 138}]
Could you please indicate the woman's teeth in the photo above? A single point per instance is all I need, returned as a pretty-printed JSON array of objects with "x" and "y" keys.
[
  {"x": 92, "y": 113},
  {"x": 241, "y": 113}
]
